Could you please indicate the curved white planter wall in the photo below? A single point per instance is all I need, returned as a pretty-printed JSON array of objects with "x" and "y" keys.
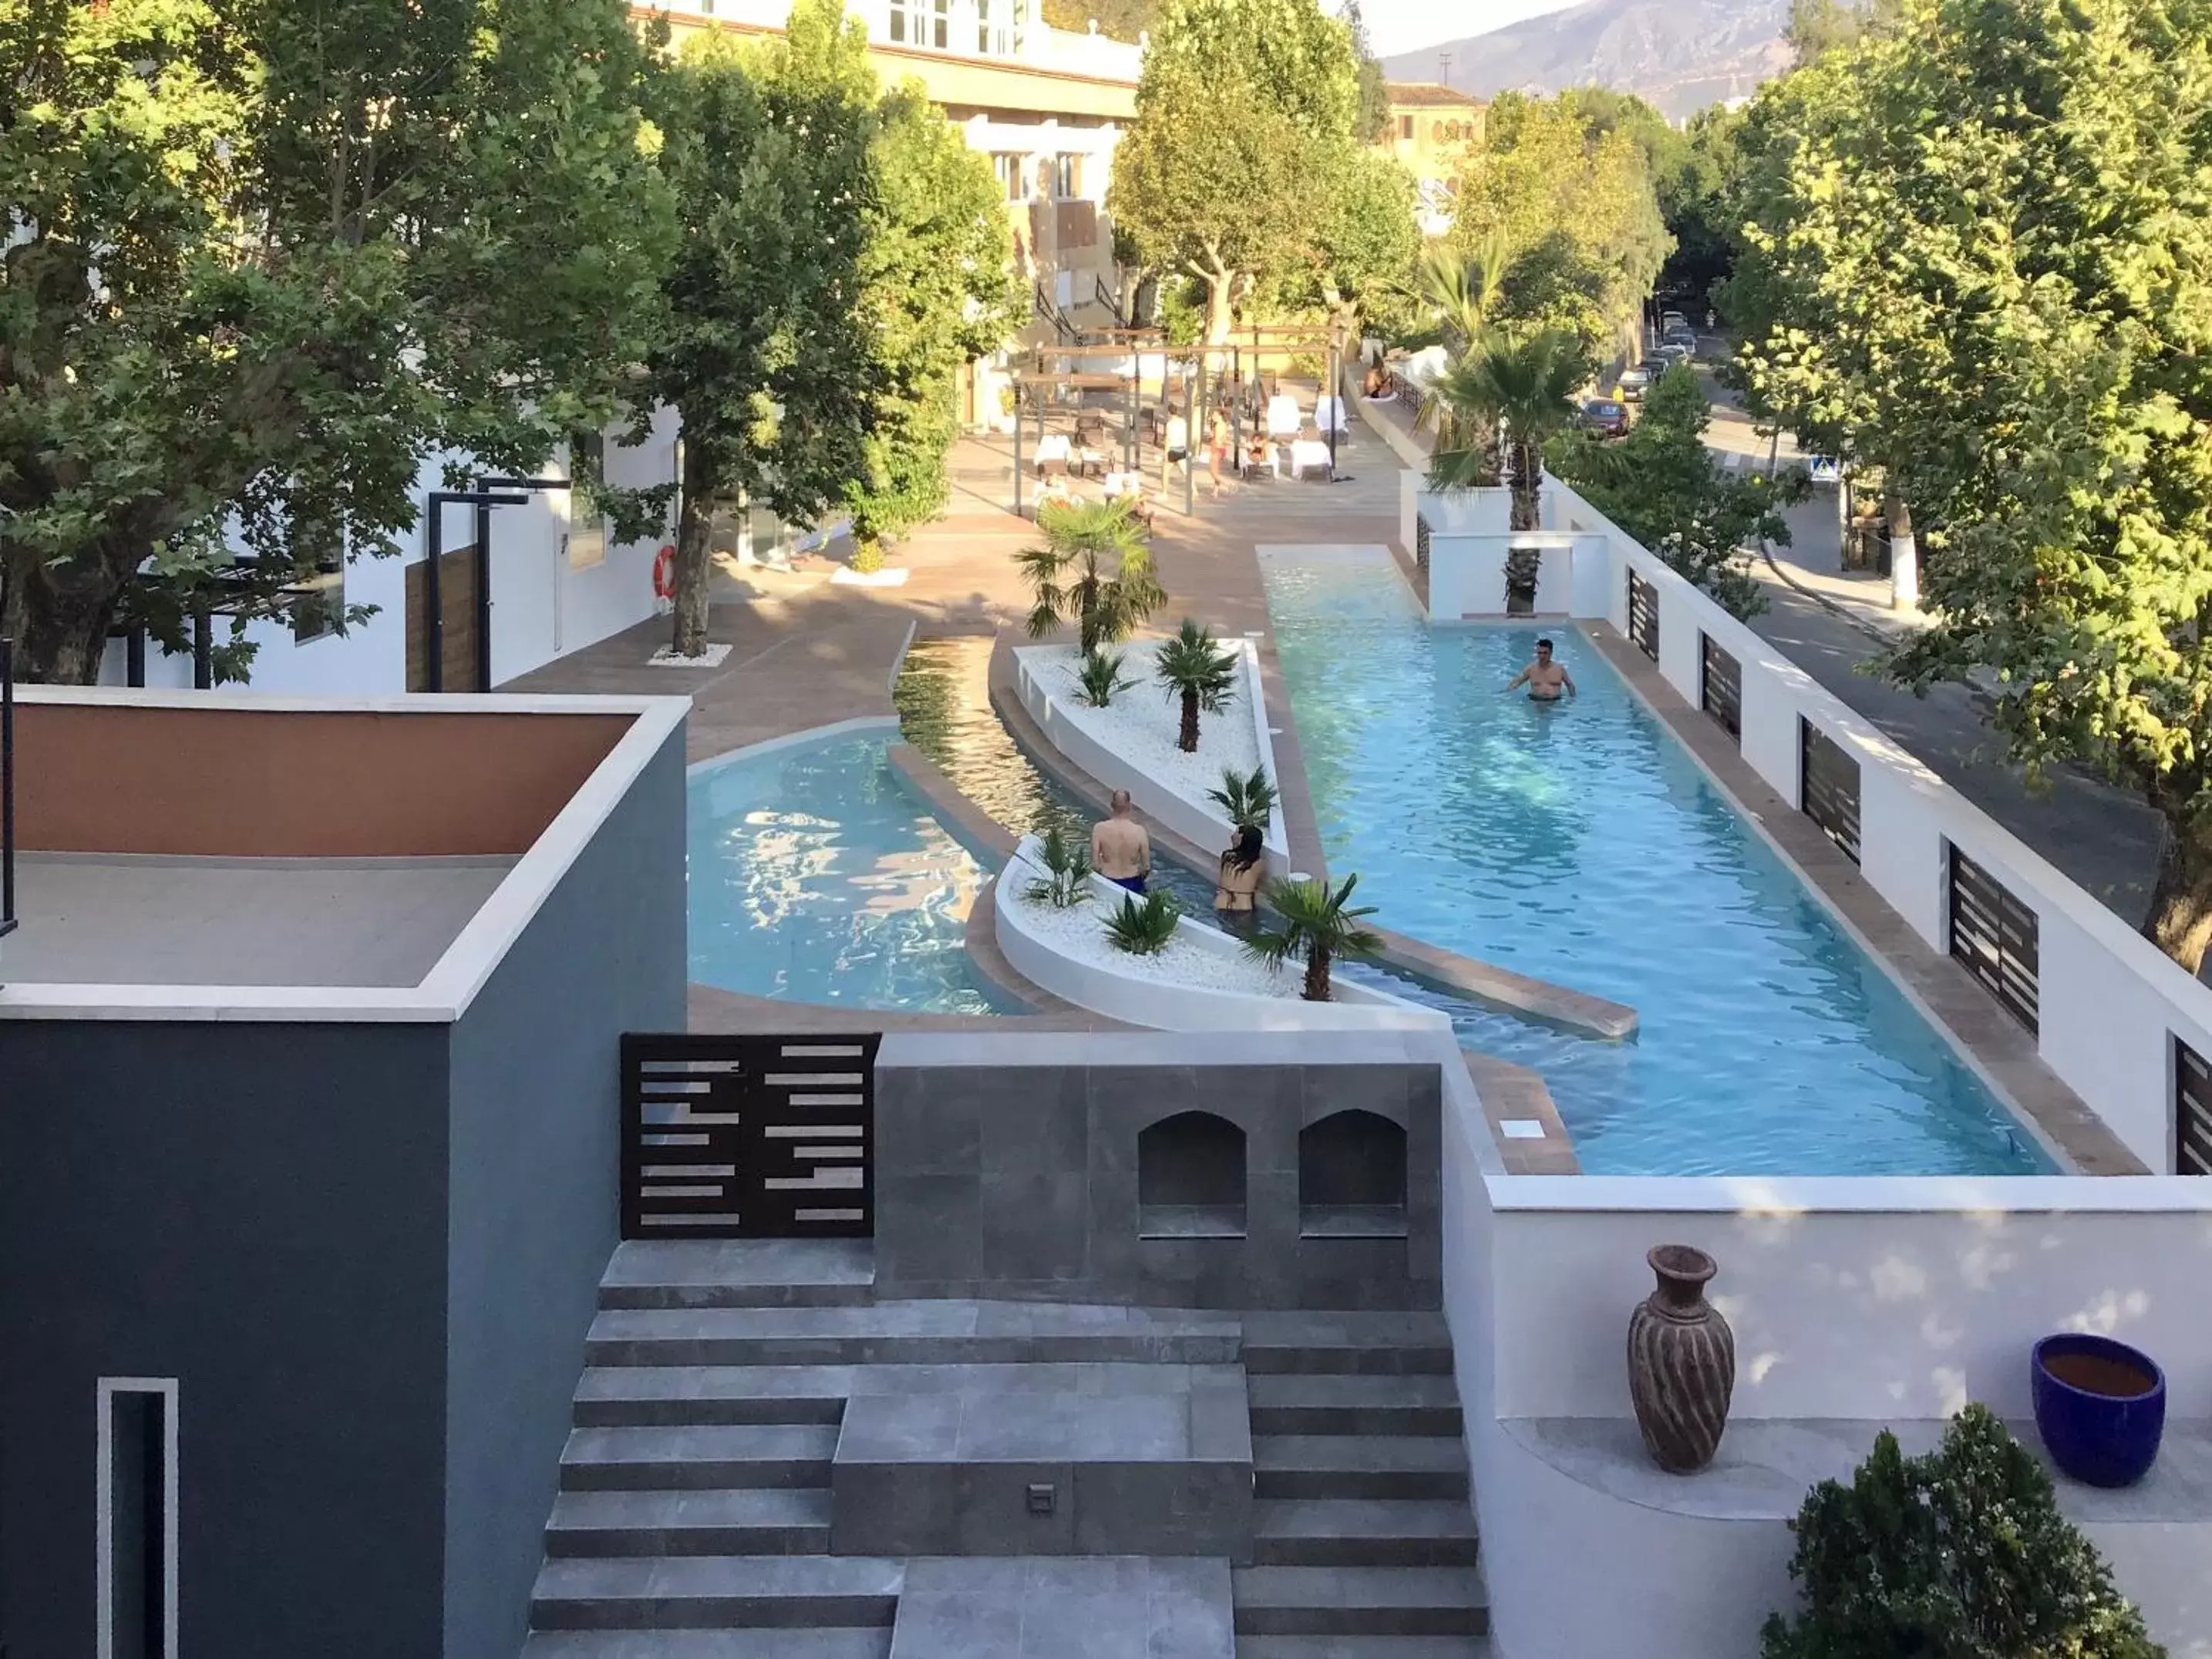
[
  {"x": 1089, "y": 743},
  {"x": 1116, "y": 984}
]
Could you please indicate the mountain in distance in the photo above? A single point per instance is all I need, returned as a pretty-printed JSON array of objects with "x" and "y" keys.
[{"x": 1677, "y": 55}]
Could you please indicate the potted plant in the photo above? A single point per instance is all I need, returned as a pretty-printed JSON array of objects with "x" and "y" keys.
[
  {"x": 1249, "y": 800},
  {"x": 1195, "y": 669},
  {"x": 2100, "y": 1407},
  {"x": 1318, "y": 925},
  {"x": 1961, "y": 1551}
]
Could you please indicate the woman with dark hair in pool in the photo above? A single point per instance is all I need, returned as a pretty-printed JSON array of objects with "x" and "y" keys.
[{"x": 1237, "y": 887}]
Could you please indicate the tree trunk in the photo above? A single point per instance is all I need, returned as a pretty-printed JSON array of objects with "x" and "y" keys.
[
  {"x": 59, "y": 615},
  {"x": 1220, "y": 307},
  {"x": 1317, "y": 973},
  {"x": 694, "y": 568},
  {"x": 1189, "y": 739},
  {"x": 2180, "y": 919},
  {"x": 1904, "y": 553}
]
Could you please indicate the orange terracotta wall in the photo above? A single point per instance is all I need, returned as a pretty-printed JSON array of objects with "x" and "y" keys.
[{"x": 221, "y": 782}]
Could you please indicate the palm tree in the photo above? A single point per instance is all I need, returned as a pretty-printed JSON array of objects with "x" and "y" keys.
[
  {"x": 1248, "y": 799},
  {"x": 1094, "y": 570},
  {"x": 1318, "y": 925},
  {"x": 1523, "y": 386},
  {"x": 1460, "y": 298},
  {"x": 1193, "y": 667}
]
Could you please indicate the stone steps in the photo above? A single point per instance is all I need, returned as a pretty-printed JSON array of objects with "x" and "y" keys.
[
  {"x": 1352, "y": 1403},
  {"x": 717, "y": 1592},
  {"x": 1358, "y": 1466},
  {"x": 1351, "y": 1647},
  {"x": 699, "y": 1457},
  {"x": 735, "y": 1521},
  {"x": 908, "y": 1332},
  {"x": 1357, "y": 1532},
  {"x": 617, "y": 1396},
  {"x": 1360, "y": 1601},
  {"x": 783, "y": 1273},
  {"x": 835, "y": 1643},
  {"x": 1381, "y": 1344}
]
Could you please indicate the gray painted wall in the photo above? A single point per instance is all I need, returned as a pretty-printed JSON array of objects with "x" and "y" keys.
[
  {"x": 534, "y": 1188},
  {"x": 259, "y": 1212},
  {"x": 1021, "y": 1180}
]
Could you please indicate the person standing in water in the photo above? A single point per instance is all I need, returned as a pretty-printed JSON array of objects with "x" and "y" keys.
[
  {"x": 1544, "y": 678},
  {"x": 1237, "y": 887},
  {"x": 1121, "y": 850}
]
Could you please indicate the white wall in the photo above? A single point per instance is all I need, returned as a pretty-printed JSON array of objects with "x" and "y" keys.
[{"x": 2110, "y": 1001}]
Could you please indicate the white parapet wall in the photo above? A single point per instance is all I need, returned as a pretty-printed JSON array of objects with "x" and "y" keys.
[
  {"x": 1130, "y": 744},
  {"x": 1205, "y": 982}
]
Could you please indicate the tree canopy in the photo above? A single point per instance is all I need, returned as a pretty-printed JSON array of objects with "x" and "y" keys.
[
  {"x": 268, "y": 260},
  {"x": 1245, "y": 118},
  {"x": 1979, "y": 259}
]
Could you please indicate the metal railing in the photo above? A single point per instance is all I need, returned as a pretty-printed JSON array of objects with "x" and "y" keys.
[
  {"x": 1049, "y": 308},
  {"x": 7, "y": 786},
  {"x": 1107, "y": 298}
]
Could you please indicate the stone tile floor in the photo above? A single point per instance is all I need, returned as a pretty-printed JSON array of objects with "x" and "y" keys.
[{"x": 1112, "y": 1607}]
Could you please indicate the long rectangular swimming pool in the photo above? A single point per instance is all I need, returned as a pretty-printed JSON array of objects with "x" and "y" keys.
[{"x": 1580, "y": 842}]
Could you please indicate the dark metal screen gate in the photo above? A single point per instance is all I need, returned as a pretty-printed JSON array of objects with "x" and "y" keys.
[
  {"x": 747, "y": 1137},
  {"x": 1643, "y": 616},
  {"x": 2192, "y": 1111},
  {"x": 1720, "y": 687},
  {"x": 1828, "y": 787},
  {"x": 1994, "y": 935}
]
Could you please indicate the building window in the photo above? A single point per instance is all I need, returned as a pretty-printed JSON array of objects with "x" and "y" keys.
[
  {"x": 135, "y": 1513},
  {"x": 318, "y": 580},
  {"x": 1406, "y": 128},
  {"x": 997, "y": 27},
  {"x": 922, "y": 23},
  {"x": 1010, "y": 175},
  {"x": 587, "y": 532},
  {"x": 1066, "y": 178}
]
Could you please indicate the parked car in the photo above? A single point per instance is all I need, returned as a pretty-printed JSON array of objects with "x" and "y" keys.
[
  {"x": 1636, "y": 381},
  {"x": 1671, "y": 319},
  {"x": 1684, "y": 335},
  {"x": 1607, "y": 416},
  {"x": 1674, "y": 352}
]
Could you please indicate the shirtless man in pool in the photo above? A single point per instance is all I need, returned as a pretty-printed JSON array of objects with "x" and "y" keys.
[
  {"x": 1544, "y": 678},
  {"x": 1120, "y": 851}
]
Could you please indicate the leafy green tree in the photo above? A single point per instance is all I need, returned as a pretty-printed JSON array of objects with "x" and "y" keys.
[
  {"x": 1243, "y": 110},
  {"x": 1658, "y": 482},
  {"x": 1366, "y": 239},
  {"x": 1094, "y": 570},
  {"x": 1961, "y": 1551},
  {"x": 1818, "y": 25},
  {"x": 264, "y": 262},
  {"x": 769, "y": 359},
  {"x": 1372, "y": 124},
  {"x": 1978, "y": 262},
  {"x": 935, "y": 293},
  {"x": 1117, "y": 20},
  {"x": 1547, "y": 176},
  {"x": 1697, "y": 196}
]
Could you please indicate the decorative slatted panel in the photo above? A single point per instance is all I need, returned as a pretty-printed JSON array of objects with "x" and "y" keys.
[
  {"x": 1721, "y": 688},
  {"x": 1421, "y": 543},
  {"x": 747, "y": 1137},
  {"x": 2192, "y": 1111},
  {"x": 1994, "y": 935},
  {"x": 1643, "y": 616},
  {"x": 1828, "y": 787}
]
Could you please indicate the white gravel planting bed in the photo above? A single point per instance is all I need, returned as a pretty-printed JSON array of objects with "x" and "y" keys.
[
  {"x": 1080, "y": 932},
  {"x": 1141, "y": 725}
]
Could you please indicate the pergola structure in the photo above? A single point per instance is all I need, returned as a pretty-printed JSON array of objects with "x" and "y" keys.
[{"x": 1192, "y": 366}]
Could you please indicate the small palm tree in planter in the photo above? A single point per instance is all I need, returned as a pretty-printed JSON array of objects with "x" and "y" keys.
[
  {"x": 1094, "y": 570},
  {"x": 1100, "y": 676},
  {"x": 1249, "y": 800},
  {"x": 1317, "y": 924},
  {"x": 1193, "y": 667},
  {"x": 1143, "y": 926},
  {"x": 1066, "y": 882}
]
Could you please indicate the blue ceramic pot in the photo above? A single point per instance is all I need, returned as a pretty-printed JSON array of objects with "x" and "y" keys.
[{"x": 2100, "y": 1407}]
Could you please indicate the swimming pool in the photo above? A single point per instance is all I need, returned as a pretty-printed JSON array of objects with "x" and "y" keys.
[
  {"x": 815, "y": 877},
  {"x": 1581, "y": 843}
]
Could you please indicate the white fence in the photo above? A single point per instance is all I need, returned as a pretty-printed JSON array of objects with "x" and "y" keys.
[{"x": 2113, "y": 1004}]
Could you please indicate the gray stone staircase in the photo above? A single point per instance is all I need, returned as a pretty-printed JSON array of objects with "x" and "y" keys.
[
  {"x": 693, "y": 1519},
  {"x": 1365, "y": 1545}
]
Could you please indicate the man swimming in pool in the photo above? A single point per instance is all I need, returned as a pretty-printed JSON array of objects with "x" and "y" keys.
[{"x": 1544, "y": 678}]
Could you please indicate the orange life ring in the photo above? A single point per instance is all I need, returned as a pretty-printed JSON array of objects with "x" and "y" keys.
[{"x": 664, "y": 574}]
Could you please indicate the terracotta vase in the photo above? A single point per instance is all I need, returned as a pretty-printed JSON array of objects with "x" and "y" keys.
[{"x": 1681, "y": 1363}]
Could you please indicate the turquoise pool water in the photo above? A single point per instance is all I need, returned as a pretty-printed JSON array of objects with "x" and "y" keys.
[
  {"x": 815, "y": 877},
  {"x": 1581, "y": 843}
]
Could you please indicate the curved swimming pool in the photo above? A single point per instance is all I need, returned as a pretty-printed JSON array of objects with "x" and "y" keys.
[
  {"x": 815, "y": 877},
  {"x": 1582, "y": 844}
]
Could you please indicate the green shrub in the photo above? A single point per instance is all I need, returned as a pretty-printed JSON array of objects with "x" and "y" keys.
[
  {"x": 1066, "y": 879},
  {"x": 1249, "y": 801},
  {"x": 1960, "y": 1554},
  {"x": 867, "y": 556},
  {"x": 1143, "y": 926},
  {"x": 1101, "y": 677}
]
